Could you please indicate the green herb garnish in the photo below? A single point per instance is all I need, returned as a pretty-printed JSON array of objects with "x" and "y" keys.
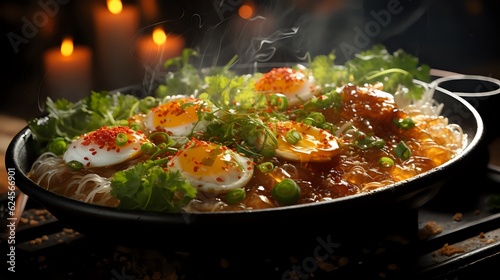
[
  {"x": 395, "y": 70},
  {"x": 147, "y": 186}
]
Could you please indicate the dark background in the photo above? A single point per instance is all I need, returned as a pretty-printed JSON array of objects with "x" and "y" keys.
[{"x": 453, "y": 35}]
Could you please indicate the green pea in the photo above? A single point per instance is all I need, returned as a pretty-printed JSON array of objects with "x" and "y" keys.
[
  {"x": 286, "y": 192},
  {"x": 58, "y": 146}
]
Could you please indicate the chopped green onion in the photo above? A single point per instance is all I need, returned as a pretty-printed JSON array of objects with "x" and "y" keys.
[
  {"x": 405, "y": 123},
  {"x": 330, "y": 99},
  {"x": 279, "y": 101},
  {"x": 293, "y": 136},
  {"x": 58, "y": 146},
  {"x": 386, "y": 162},
  {"x": 235, "y": 196},
  {"x": 135, "y": 126},
  {"x": 148, "y": 148},
  {"x": 402, "y": 151},
  {"x": 266, "y": 167},
  {"x": 308, "y": 121},
  {"x": 365, "y": 141},
  {"x": 318, "y": 117},
  {"x": 121, "y": 139},
  {"x": 379, "y": 143},
  {"x": 268, "y": 152},
  {"x": 74, "y": 165},
  {"x": 329, "y": 127},
  {"x": 147, "y": 103},
  {"x": 286, "y": 192},
  {"x": 162, "y": 146},
  {"x": 163, "y": 137}
]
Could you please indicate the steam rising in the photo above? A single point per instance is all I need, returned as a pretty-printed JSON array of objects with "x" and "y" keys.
[
  {"x": 267, "y": 47},
  {"x": 279, "y": 31}
]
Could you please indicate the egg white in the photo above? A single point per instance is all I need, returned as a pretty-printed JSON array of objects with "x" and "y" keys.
[
  {"x": 95, "y": 155},
  {"x": 283, "y": 80},
  {"x": 307, "y": 91}
]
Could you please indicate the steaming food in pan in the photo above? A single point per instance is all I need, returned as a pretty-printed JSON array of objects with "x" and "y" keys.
[{"x": 221, "y": 141}]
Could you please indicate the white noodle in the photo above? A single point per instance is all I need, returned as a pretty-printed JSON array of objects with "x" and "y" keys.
[
  {"x": 343, "y": 128},
  {"x": 49, "y": 170},
  {"x": 102, "y": 188}
]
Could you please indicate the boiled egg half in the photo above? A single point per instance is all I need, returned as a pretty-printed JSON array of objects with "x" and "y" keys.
[
  {"x": 178, "y": 116},
  {"x": 212, "y": 168},
  {"x": 304, "y": 143},
  {"x": 296, "y": 85},
  {"x": 105, "y": 146}
]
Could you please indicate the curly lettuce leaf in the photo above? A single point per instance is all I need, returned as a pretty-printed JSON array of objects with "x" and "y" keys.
[
  {"x": 395, "y": 70},
  {"x": 183, "y": 78},
  {"x": 111, "y": 109},
  {"x": 148, "y": 187},
  {"x": 327, "y": 73},
  {"x": 67, "y": 120}
]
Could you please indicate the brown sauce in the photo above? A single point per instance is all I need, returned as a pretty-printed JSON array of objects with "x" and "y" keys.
[{"x": 354, "y": 170}]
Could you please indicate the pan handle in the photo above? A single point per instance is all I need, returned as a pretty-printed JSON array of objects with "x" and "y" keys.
[
  {"x": 482, "y": 92},
  {"x": 468, "y": 86}
]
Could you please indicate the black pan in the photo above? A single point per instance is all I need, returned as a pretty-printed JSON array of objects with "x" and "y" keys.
[{"x": 272, "y": 225}]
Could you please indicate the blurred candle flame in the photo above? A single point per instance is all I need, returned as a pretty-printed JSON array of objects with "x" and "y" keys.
[
  {"x": 246, "y": 11},
  {"x": 67, "y": 47},
  {"x": 159, "y": 36},
  {"x": 114, "y": 6}
]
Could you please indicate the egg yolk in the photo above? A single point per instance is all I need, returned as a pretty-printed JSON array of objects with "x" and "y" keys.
[
  {"x": 315, "y": 144},
  {"x": 281, "y": 80},
  {"x": 177, "y": 112},
  {"x": 206, "y": 159}
]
